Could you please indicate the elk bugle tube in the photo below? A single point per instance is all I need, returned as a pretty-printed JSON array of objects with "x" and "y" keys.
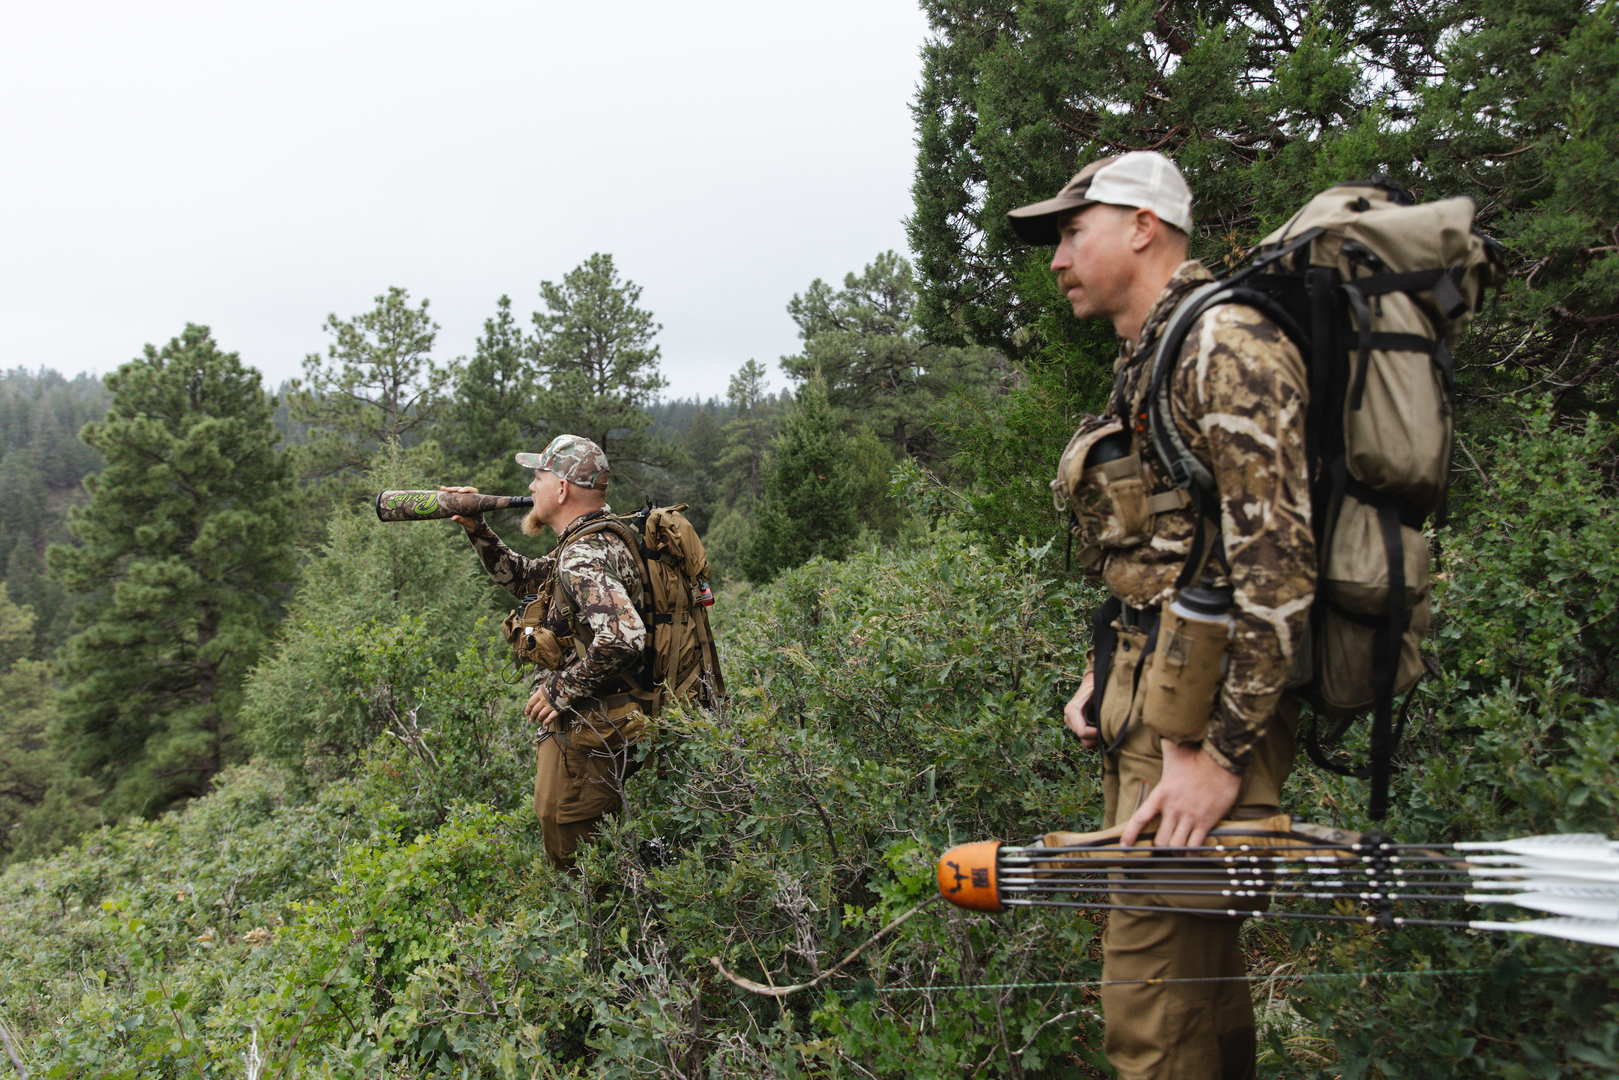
[{"x": 428, "y": 505}]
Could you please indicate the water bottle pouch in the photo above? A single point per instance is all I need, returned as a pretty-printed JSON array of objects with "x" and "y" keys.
[
  {"x": 1184, "y": 677},
  {"x": 1099, "y": 478},
  {"x": 531, "y": 642}
]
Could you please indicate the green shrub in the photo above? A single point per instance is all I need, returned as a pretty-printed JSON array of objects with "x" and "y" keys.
[{"x": 381, "y": 608}]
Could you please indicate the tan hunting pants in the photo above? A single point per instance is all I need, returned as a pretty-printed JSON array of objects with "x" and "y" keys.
[
  {"x": 574, "y": 789},
  {"x": 1185, "y": 1030}
]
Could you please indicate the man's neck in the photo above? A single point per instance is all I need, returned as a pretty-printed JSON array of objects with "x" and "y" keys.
[
  {"x": 576, "y": 518},
  {"x": 1144, "y": 293}
]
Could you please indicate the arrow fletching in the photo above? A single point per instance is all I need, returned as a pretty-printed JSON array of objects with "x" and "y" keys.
[
  {"x": 1572, "y": 903},
  {"x": 1569, "y": 847},
  {"x": 1572, "y": 873},
  {"x": 1591, "y": 931}
]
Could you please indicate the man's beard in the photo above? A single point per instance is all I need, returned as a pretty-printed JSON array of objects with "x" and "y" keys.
[{"x": 532, "y": 525}]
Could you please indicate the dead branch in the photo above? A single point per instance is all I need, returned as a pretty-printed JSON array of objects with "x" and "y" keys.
[
  {"x": 11, "y": 1052},
  {"x": 783, "y": 991}
]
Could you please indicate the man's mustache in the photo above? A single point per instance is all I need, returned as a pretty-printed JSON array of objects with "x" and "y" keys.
[{"x": 1066, "y": 281}]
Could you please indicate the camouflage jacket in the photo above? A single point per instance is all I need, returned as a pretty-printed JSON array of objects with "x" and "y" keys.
[
  {"x": 599, "y": 576},
  {"x": 1238, "y": 394}
]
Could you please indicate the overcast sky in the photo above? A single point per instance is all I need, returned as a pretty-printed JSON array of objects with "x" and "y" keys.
[{"x": 256, "y": 167}]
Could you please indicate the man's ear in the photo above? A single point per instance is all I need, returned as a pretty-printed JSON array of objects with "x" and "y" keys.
[{"x": 1145, "y": 230}]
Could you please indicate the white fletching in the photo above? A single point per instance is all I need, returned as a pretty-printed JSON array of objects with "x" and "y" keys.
[
  {"x": 1578, "y": 847},
  {"x": 1592, "y": 931},
  {"x": 1570, "y": 885},
  {"x": 1583, "y": 907},
  {"x": 1572, "y": 873}
]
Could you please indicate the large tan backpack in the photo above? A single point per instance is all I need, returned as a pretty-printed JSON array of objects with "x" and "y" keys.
[
  {"x": 1375, "y": 290},
  {"x": 681, "y": 661}
]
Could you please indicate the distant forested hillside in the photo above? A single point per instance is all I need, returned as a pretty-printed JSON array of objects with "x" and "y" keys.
[{"x": 42, "y": 464}]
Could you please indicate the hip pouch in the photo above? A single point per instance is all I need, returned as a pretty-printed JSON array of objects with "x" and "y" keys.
[
  {"x": 1121, "y": 700},
  {"x": 609, "y": 724},
  {"x": 1100, "y": 481},
  {"x": 1184, "y": 675},
  {"x": 532, "y": 643}
]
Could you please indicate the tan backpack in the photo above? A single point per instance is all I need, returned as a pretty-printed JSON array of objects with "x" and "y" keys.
[
  {"x": 681, "y": 660},
  {"x": 1374, "y": 289}
]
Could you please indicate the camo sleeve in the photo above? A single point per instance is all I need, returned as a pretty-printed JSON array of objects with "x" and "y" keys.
[
  {"x": 599, "y": 578},
  {"x": 1247, "y": 391},
  {"x": 517, "y": 574}
]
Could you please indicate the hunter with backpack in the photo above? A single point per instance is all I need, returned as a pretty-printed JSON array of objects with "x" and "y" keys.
[
  {"x": 1253, "y": 499},
  {"x": 615, "y": 622}
]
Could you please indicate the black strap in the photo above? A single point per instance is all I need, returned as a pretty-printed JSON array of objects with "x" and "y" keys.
[
  {"x": 1445, "y": 283},
  {"x": 1320, "y": 283},
  {"x": 1388, "y": 341},
  {"x": 1362, "y": 318},
  {"x": 1412, "y": 515},
  {"x": 1206, "y": 511},
  {"x": 1315, "y": 744},
  {"x": 1386, "y": 666},
  {"x": 1103, "y": 640}
]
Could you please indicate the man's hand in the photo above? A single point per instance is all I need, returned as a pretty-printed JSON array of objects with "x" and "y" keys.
[
  {"x": 1073, "y": 713},
  {"x": 1193, "y": 796},
  {"x": 539, "y": 708},
  {"x": 470, "y": 524}
]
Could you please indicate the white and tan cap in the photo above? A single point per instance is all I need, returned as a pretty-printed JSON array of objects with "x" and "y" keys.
[{"x": 1143, "y": 179}]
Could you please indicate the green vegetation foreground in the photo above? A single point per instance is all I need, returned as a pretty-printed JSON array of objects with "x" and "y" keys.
[{"x": 378, "y": 903}]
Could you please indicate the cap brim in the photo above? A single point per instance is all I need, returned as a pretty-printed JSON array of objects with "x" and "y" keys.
[
  {"x": 530, "y": 461},
  {"x": 1037, "y": 222}
]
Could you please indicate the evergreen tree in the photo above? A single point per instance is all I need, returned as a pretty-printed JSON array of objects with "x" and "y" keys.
[
  {"x": 699, "y": 480},
  {"x": 810, "y": 490},
  {"x": 494, "y": 410},
  {"x": 376, "y": 385},
  {"x": 877, "y": 363},
  {"x": 42, "y": 804},
  {"x": 1262, "y": 105},
  {"x": 42, "y": 462},
  {"x": 185, "y": 545},
  {"x": 748, "y": 434},
  {"x": 379, "y": 614},
  {"x": 599, "y": 365}
]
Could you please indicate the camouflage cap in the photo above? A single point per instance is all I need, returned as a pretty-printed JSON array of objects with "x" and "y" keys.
[{"x": 577, "y": 460}]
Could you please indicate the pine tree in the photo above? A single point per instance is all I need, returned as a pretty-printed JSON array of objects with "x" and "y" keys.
[
  {"x": 494, "y": 410},
  {"x": 599, "y": 365},
  {"x": 1262, "y": 105},
  {"x": 185, "y": 546},
  {"x": 748, "y": 434},
  {"x": 42, "y": 461},
  {"x": 699, "y": 479},
  {"x": 878, "y": 365},
  {"x": 376, "y": 385},
  {"x": 42, "y": 804},
  {"x": 810, "y": 490}
]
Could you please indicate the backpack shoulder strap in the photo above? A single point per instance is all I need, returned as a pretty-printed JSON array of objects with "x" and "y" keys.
[
  {"x": 624, "y": 533},
  {"x": 1156, "y": 415}
]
